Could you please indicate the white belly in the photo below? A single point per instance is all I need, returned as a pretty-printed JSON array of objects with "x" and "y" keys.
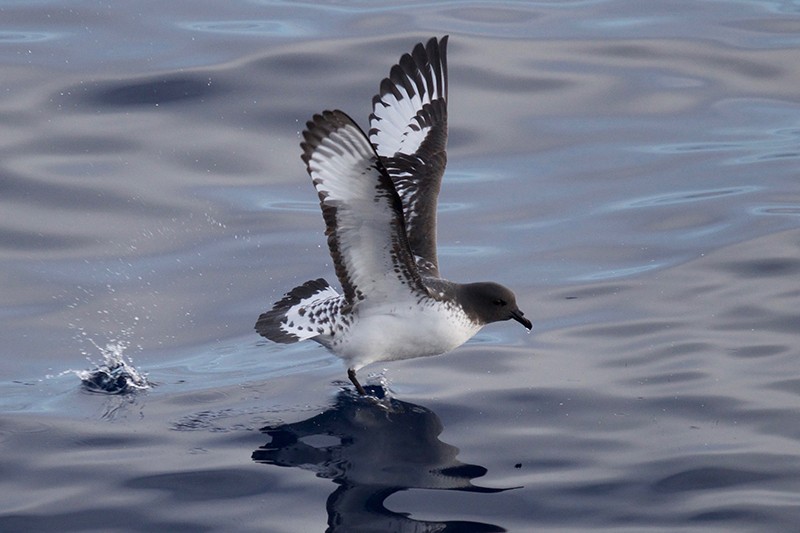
[{"x": 390, "y": 333}]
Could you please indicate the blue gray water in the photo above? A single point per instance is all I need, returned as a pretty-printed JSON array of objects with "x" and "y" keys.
[{"x": 629, "y": 168}]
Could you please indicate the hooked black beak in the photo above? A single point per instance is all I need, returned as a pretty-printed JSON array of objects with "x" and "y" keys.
[{"x": 519, "y": 316}]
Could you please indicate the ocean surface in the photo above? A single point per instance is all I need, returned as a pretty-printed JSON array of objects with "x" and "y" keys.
[{"x": 631, "y": 169}]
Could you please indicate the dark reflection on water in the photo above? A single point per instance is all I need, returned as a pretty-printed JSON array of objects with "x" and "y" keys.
[
  {"x": 157, "y": 91},
  {"x": 373, "y": 449}
]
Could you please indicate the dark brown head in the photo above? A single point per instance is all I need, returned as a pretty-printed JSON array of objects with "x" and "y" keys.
[{"x": 487, "y": 302}]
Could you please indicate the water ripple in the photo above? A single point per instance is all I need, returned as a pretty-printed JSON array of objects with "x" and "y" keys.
[
  {"x": 710, "y": 477},
  {"x": 682, "y": 197},
  {"x": 27, "y": 37},
  {"x": 791, "y": 210},
  {"x": 249, "y": 27},
  {"x": 619, "y": 272},
  {"x": 759, "y": 146}
]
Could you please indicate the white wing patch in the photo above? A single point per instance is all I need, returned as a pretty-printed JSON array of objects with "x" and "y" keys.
[
  {"x": 395, "y": 122},
  {"x": 408, "y": 129},
  {"x": 305, "y": 312},
  {"x": 362, "y": 211},
  {"x": 313, "y": 316}
]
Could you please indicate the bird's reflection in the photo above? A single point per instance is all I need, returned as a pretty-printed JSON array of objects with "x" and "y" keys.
[{"x": 372, "y": 449}]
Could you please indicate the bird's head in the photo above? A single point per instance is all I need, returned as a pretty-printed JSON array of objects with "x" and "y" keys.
[{"x": 488, "y": 302}]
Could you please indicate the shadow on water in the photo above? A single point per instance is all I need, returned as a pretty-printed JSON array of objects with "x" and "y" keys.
[
  {"x": 151, "y": 91},
  {"x": 372, "y": 449}
]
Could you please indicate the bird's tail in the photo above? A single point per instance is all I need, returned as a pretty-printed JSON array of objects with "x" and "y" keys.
[{"x": 294, "y": 317}]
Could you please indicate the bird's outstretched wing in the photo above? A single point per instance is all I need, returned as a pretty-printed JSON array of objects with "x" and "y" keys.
[
  {"x": 408, "y": 129},
  {"x": 362, "y": 211}
]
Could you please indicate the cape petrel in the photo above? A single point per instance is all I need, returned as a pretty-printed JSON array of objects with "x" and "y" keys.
[{"x": 378, "y": 195}]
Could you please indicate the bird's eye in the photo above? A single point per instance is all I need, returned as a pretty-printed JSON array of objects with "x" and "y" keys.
[{"x": 499, "y": 302}]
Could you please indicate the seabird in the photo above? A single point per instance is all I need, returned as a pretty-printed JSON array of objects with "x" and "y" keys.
[{"x": 378, "y": 193}]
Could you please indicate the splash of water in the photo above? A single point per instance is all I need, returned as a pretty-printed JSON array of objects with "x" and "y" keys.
[{"x": 115, "y": 374}]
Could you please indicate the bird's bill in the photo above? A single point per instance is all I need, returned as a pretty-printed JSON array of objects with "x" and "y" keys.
[{"x": 519, "y": 317}]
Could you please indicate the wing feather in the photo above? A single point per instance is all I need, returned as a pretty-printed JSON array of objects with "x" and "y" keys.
[
  {"x": 408, "y": 129},
  {"x": 362, "y": 210}
]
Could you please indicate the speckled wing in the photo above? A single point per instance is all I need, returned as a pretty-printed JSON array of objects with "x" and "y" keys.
[
  {"x": 362, "y": 211},
  {"x": 408, "y": 129},
  {"x": 306, "y": 312}
]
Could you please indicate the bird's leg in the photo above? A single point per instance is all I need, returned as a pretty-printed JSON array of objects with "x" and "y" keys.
[{"x": 351, "y": 373}]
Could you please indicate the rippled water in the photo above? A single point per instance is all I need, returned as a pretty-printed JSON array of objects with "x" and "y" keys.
[{"x": 629, "y": 168}]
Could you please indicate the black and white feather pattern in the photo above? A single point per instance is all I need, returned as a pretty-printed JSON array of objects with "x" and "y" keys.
[
  {"x": 362, "y": 211},
  {"x": 378, "y": 196},
  {"x": 408, "y": 129},
  {"x": 305, "y": 312}
]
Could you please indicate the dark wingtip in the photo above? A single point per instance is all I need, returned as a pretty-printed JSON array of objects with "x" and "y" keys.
[{"x": 321, "y": 126}]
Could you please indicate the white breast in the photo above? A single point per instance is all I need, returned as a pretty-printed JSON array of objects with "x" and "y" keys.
[{"x": 392, "y": 332}]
